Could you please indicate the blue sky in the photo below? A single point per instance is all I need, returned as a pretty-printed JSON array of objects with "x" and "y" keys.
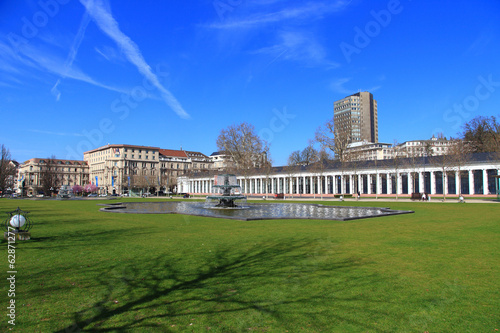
[{"x": 78, "y": 74}]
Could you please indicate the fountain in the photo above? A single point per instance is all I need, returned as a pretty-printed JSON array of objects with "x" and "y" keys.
[
  {"x": 228, "y": 202},
  {"x": 226, "y": 192}
]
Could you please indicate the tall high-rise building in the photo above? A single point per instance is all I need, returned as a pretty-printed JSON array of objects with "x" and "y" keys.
[{"x": 357, "y": 112}]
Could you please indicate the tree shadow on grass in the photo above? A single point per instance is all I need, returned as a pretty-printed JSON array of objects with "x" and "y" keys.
[
  {"x": 270, "y": 280},
  {"x": 83, "y": 238}
]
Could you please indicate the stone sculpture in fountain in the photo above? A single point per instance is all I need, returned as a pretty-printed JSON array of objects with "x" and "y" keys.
[{"x": 226, "y": 193}]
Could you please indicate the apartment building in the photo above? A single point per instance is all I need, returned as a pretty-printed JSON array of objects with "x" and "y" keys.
[
  {"x": 408, "y": 149},
  {"x": 418, "y": 148},
  {"x": 136, "y": 170},
  {"x": 357, "y": 114},
  {"x": 46, "y": 176},
  {"x": 124, "y": 168}
]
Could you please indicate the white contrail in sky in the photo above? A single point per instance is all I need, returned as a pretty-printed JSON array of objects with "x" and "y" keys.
[
  {"x": 73, "y": 51},
  {"x": 106, "y": 22}
]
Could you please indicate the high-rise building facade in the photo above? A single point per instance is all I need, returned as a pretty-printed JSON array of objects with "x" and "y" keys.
[{"x": 357, "y": 113}]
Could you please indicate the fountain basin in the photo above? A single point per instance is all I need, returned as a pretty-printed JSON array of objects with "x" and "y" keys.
[{"x": 255, "y": 211}]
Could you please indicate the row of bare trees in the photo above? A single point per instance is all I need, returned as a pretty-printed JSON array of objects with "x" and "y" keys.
[{"x": 249, "y": 154}]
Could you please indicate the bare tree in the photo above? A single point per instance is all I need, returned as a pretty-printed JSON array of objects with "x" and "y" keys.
[
  {"x": 396, "y": 164},
  {"x": 48, "y": 175},
  {"x": 412, "y": 161},
  {"x": 7, "y": 170},
  {"x": 267, "y": 170},
  {"x": 295, "y": 158},
  {"x": 334, "y": 139},
  {"x": 309, "y": 155},
  {"x": 460, "y": 153},
  {"x": 483, "y": 134},
  {"x": 445, "y": 163},
  {"x": 318, "y": 168},
  {"x": 337, "y": 140},
  {"x": 244, "y": 147},
  {"x": 354, "y": 160},
  {"x": 291, "y": 170}
]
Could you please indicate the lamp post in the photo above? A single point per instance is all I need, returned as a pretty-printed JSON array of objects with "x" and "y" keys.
[{"x": 17, "y": 225}]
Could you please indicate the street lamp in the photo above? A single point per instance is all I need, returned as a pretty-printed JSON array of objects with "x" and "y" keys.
[{"x": 17, "y": 225}]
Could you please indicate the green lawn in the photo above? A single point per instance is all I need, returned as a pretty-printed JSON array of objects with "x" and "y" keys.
[{"x": 437, "y": 270}]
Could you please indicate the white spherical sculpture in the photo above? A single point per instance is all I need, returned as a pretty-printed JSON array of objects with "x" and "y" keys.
[{"x": 17, "y": 221}]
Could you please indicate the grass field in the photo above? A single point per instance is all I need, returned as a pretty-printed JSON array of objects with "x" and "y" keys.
[{"x": 437, "y": 270}]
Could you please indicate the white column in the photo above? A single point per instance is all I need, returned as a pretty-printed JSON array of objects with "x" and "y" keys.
[
  {"x": 303, "y": 184},
  {"x": 389, "y": 183},
  {"x": 379, "y": 183},
  {"x": 410, "y": 183},
  {"x": 433, "y": 182},
  {"x": 399, "y": 189},
  {"x": 421, "y": 183},
  {"x": 458, "y": 184},
  {"x": 445, "y": 183},
  {"x": 485, "y": 182},
  {"x": 471, "y": 182},
  {"x": 369, "y": 180}
]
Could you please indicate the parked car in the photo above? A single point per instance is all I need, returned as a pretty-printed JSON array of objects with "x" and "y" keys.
[{"x": 92, "y": 195}]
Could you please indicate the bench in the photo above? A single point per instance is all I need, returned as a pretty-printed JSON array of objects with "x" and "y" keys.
[
  {"x": 342, "y": 195},
  {"x": 416, "y": 196}
]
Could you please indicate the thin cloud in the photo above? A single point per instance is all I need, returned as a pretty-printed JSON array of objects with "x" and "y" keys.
[
  {"x": 72, "y": 53},
  {"x": 337, "y": 86},
  {"x": 29, "y": 58},
  {"x": 301, "y": 47},
  {"x": 106, "y": 22},
  {"x": 303, "y": 12}
]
